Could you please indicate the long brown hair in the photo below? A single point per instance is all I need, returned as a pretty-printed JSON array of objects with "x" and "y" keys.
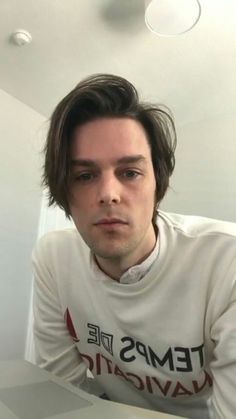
[{"x": 105, "y": 95}]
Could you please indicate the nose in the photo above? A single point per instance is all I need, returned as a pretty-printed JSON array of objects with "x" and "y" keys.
[{"x": 109, "y": 191}]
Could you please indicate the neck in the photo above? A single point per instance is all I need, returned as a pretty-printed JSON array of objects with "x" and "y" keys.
[{"x": 116, "y": 267}]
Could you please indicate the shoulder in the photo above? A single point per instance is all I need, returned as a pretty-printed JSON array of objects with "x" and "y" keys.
[
  {"x": 196, "y": 226},
  {"x": 58, "y": 244},
  {"x": 206, "y": 246},
  {"x": 57, "y": 238}
]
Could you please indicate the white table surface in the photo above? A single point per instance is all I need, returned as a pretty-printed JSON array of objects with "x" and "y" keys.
[{"x": 14, "y": 374}]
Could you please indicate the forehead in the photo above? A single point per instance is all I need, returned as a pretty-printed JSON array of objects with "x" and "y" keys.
[{"x": 109, "y": 138}]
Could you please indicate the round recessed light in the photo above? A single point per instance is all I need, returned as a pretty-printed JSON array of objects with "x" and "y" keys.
[
  {"x": 21, "y": 37},
  {"x": 172, "y": 17}
]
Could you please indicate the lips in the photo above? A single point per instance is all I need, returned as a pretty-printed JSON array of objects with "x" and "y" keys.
[{"x": 110, "y": 221}]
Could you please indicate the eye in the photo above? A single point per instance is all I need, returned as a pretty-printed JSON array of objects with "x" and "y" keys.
[
  {"x": 83, "y": 177},
  {"x": 130, "y": 174}
]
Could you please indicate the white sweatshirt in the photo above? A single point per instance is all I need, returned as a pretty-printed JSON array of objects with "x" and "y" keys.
[{"x": 166, "y": 342}]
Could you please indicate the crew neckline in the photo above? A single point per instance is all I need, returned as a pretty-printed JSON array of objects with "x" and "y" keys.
[{"x": 134, "y": 274}]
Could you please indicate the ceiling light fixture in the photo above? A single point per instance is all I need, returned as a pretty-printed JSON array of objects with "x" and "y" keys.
[
  {"x": 171, "y": 17},
  {"x": 21, "y": 37}
]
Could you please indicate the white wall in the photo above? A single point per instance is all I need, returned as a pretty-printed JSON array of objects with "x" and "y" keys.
[
  {"x": 204, "y": 180},
  {"x": 20, "y": 142}
]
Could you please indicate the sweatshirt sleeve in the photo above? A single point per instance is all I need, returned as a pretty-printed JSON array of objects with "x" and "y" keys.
[
  {"x": 223, "y": 365},
  {"x": 55, "y": 349}
]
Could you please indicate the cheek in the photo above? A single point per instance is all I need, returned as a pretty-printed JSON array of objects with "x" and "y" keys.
[
  {"x": 150, "y": 201},
  {"x": 82, "y": 197},
  {"x": 76, "y": 199},
  {"x": 151, "y": 190},
  {"x": 81, "y": 208},
  {"x": 144, "y": 202}
]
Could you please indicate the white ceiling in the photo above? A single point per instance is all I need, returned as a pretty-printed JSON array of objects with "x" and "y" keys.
[{"x": 194, "y": 73}]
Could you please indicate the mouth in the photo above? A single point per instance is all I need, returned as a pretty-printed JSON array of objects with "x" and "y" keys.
[{"x": 110, "y": 222}]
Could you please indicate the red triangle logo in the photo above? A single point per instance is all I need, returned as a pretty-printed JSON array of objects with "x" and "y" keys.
[{"x": 70, "y": 325}]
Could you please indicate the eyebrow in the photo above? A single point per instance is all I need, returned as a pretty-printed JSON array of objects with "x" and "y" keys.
[{"x": 123, "y": 160}]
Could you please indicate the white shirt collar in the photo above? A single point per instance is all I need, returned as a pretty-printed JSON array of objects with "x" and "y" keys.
[{"x": 137, "y": 272}]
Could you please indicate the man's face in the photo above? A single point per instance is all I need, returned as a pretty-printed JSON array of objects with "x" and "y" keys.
[{"x": 112, "y": 189}]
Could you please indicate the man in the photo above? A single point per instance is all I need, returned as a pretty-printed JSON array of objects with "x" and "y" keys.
[{"x": 143, "y": 299}]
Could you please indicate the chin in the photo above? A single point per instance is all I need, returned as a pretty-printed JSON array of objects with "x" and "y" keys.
[{"x": 109, "y": 253}]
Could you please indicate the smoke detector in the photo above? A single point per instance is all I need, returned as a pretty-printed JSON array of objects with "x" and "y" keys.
[{"x": 21, "y": 37}]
